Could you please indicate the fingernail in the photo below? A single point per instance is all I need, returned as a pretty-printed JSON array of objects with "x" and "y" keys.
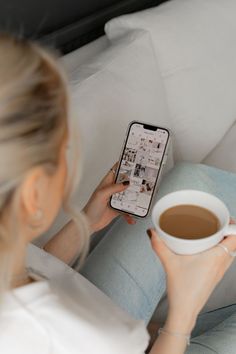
[
  {"x": 149, "y": 233},
  {"x": 125, "y": 183}
]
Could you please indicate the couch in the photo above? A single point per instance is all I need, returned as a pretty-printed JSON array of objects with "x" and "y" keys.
[{"x": 173, "y": 65}]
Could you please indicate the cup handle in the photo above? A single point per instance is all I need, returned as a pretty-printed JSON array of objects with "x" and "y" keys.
[{"x": 230, "y": 230}]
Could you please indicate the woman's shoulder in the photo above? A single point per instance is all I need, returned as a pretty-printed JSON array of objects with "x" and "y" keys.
[
  {"x": 83, "y": 308},
  {"x": 20, "y": 330},
  {"x": 41, "y": 316}
]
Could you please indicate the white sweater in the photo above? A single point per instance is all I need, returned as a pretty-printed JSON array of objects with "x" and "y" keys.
[{"x": 65, "y": 315}]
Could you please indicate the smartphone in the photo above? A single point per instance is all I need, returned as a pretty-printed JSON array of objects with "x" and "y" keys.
[{"x": 142, "y": 158}]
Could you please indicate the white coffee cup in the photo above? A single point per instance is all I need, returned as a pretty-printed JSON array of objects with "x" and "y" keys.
[{"x": 197, "y": 198}]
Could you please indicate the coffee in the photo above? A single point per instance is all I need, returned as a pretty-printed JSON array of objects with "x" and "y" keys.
[{"x": 189, "y": 222}]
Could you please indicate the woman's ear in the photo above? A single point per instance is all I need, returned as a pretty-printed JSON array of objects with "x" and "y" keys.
[
  {"x": 32, "y": 198},
  {"x": 30, "y": 190},
  {"x": 41, "y": 195}
]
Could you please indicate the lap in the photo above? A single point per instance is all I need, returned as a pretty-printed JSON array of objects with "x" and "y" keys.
[
  {"x": 124, "y": 266},
  {"x": 201, "y": 177},
  {"x": 221, "y": 339}
]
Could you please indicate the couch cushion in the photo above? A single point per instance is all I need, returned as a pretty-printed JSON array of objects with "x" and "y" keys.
[
  {"x": 120, "y": 85},
  {"x": 223, "y": 156},
  {"x": 194, "y": 42}
]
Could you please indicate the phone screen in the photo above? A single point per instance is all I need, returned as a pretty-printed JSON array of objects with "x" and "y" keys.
[{"x": 140, "y": 164}]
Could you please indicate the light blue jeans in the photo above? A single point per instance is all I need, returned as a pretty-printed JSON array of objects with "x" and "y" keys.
[{"x": 124, "y": 266}]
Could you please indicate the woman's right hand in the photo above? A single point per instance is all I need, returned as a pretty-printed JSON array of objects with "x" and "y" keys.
[{"x": 190, "y": 280}]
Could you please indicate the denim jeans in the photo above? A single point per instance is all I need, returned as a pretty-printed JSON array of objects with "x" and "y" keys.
[{"x": 124, "y": 266}]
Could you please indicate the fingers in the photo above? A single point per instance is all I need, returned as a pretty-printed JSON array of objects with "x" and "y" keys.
[
  {"x": 159, "y": 247},
  {"x": 230, "y": 243},
  {"x": 232, "y": 221},
  {"x": 109, "y": 177},
  {"x": 130, "y": 220},
  {"x": 108, "y": 191},
  {"x": 114, "y": 213}
]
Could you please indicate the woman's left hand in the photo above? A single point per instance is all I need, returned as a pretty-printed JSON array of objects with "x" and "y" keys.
[
  {"x": 191, "y": 279},
  {"x": 98, "y": 210}
]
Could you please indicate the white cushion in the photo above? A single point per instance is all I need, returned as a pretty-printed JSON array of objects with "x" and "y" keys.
[
  {"x": 223, "y": 156},
  {"x": 81, "y": 55},
  {"x": 120, "y": 85},
  {"x": 194, "y": 42}
]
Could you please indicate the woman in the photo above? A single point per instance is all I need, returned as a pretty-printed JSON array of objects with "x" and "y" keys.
[{"x": 50, "y": 308}]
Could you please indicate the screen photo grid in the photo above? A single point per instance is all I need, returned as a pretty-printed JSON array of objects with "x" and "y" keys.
[{"x": 140, "y": 165}]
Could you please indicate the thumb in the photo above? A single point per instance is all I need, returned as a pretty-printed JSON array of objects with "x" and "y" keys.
[{"x": 159, "y": 246}]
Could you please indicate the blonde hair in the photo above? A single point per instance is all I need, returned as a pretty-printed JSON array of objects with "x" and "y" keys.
[{"x": 33, "y": 122}]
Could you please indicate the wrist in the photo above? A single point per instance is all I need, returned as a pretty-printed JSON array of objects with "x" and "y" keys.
[
  {"x": 92, "y": 227},
  {"x": 180, "y": 322},
  {"x": 183, "y": 337}
]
